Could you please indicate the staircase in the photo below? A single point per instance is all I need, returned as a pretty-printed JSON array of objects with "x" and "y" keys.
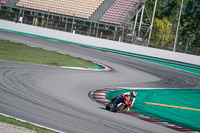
[
  {"x": 101, "y": 10},
  {"x": 12, "y": 2}
]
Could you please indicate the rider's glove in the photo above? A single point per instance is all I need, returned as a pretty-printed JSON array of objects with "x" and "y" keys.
[{"x": 130, "y": 104}]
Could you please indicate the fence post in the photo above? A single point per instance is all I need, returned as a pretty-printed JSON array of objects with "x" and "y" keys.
[
  {"x": 141, "y": 18},
  {"x": 97, "y": 30},
  {"x": 66, "y": 23},
  {"x": 19, "y": 14},
  {"x": 186, "y": 48},
  {"x": 163, "y": 41},
  {"x": 90, "y": 28},
  {"x": 176, "y": 38},
  {"x": 151, "y": 27},
  {"x": 72, "y": 25},
  {"x": 115, "y": 33},
  {"x": 23, "y": 14},
  {"x": 122, "y": 34},
  {"x": 133, "y": 33},
  {"x": 47, "y": 19}
]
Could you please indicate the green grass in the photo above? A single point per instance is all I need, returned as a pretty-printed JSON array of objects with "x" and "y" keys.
[
  {"x": 18, "y": 52},
  {"x": 24, "y": 124}
]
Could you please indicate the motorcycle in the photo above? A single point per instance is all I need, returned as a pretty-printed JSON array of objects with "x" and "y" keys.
[{"x": 119, "y": 103}]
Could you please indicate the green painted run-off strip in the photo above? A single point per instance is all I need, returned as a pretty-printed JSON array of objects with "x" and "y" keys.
[
  {"x": 170, "y": 63},
  {"x": 182, "y": 110}
]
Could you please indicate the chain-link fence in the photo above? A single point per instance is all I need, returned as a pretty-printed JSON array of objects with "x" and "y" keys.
[
  {"x": 166, "y": 41},
  {"x": 122, "y": 33}
]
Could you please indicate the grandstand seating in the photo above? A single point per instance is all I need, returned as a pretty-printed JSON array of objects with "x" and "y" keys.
[
  {"x": 118, "y": 11},
  {"x": 77, "y": 8},
  {"x": 4, "y": 1}
]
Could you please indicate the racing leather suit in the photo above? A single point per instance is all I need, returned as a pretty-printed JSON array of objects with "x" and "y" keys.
[{"x": 132, "y": 99}]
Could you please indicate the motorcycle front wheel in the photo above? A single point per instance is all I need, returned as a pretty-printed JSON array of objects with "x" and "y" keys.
[{"x": 108, "y": 106}]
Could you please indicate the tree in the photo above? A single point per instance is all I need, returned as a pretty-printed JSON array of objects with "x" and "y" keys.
[
  {"x": 190, "y": 24},
  {"x": 161, "y": 32},
  {"x": 189, "y": 27}
]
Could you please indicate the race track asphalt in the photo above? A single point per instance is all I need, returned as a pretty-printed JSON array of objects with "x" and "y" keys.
[{"x": 58, "y": 98}]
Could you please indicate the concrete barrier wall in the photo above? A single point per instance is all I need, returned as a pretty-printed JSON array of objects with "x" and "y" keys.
[{"x": 100, "y": 42}]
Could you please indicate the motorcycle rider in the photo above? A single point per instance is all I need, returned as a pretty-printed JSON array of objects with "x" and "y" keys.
[{"x": 131, "y": 96}]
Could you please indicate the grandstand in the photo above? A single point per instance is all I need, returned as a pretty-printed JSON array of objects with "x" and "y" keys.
[
  {"x": 119, "y": 11},
  {"x": 108, "y": 19},
  {"x": 77, "y": 8},
  {"x": 115, "y": 14},
  {"x": 4, "y": 1}
]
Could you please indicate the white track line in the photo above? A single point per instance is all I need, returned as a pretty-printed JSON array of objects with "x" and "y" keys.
[{"x": 9, "y": 116}]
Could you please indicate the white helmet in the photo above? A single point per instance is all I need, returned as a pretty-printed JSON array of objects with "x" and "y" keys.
[{"x": 133, "y": 93}]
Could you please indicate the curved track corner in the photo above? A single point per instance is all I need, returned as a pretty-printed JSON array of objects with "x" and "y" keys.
[{"x": 100, "y": 97}]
